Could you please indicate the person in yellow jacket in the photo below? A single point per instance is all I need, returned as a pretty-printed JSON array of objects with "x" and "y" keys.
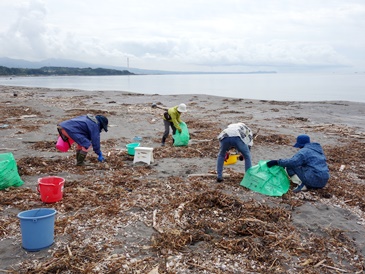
[{"x": 171, "y": 118}]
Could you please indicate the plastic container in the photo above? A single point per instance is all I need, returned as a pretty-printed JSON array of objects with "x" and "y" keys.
[
  {"x": 232, "y": 159},
  {"x": 137, "y": 138},
  {"x": 131, "y": 147},
  {"x": 62, "y": 145},
  {"x": 37, "y": 228},
  {"x": 51, "y": 188}
]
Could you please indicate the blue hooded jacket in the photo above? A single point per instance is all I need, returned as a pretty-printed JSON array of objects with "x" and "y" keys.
[
  {"x": 84, "y": 130},
  {"x": 312, "y": 162}
]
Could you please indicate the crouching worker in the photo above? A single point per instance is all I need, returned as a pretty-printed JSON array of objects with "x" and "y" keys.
[
  {"x": 238, "y": 136},
  {"x": 85, "y": 132},
  {"x": 308, "y": 167}
]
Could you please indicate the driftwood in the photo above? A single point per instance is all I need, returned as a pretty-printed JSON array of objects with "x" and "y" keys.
[
  {"x": 154, "y": 270},
  {"x": 87, "y": 110},
  {"x": 154, "y": 222},
  {"x": 178, "y": 213},
  {"x": 256, "y": 134},
  {"x": 332, "y": 129},
  {"x": 207, "y": 175},
  {"x": 335, "y": 268},
  {"x": 23, "y": 117},
  {"x": 69, "y": 251}
]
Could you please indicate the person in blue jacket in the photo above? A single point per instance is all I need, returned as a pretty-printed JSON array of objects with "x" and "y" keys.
[
  {"x": 85, "y": 132},
  {"x": 308, "y": 167}
]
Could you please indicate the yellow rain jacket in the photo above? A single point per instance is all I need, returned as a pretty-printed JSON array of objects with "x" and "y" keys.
[{"x": 175, "y": 117}]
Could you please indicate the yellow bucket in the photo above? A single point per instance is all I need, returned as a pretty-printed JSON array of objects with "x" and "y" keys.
[{"x": 232, "y": 159}]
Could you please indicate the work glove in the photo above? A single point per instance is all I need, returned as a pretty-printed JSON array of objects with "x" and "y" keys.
[
  {"x": 100, "y": 157},
  {"x": 272, "y": 163},
  {"x": 226, "y": 156}
]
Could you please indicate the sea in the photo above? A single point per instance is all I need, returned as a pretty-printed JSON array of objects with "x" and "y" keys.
[{"x": 261, "y": 86}]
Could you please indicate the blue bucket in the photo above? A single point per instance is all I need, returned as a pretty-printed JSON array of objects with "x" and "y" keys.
[{"x": 37, "y": 228}]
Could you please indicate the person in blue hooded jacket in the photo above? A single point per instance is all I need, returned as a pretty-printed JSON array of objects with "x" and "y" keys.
[
  {"x": 85, "y": 132},
  {"x": 308, "y": 167}
]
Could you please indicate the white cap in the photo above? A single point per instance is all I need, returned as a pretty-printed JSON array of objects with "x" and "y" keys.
[{"x": 181, "y": 108}]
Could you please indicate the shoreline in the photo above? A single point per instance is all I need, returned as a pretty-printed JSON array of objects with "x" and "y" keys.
[
  {"x": 279, "y": 87},
  {"x": 152, "y": 212}
]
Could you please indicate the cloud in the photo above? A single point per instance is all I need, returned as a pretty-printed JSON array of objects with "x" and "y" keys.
[{"x": 188, "y": 35}]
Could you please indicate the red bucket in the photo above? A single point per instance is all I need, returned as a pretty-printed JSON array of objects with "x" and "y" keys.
[
  {"x": 63, "y": 146},
  {"x": 51, "y": 188}
]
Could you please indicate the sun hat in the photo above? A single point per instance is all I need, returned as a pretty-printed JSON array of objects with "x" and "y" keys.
[
  {"x": 103, "y": 121},
  {"x": 302, "y": 140},
  {"x": 181, "y": 108}
]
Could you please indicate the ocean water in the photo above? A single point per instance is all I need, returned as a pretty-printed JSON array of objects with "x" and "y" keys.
[{"x": 279, "y": 87}]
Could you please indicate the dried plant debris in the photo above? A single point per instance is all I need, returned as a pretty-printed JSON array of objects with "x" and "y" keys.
[
  {"x": 338, "y": 130},
  {"x": 44, "y": 145},
  {"x": 116, "y": 217},
  {"x": 279, "y": 139},
  {"x": 22, "y": 118},
  {"x": 18, "y": 112},
  {"x": 189, "y": 231}
]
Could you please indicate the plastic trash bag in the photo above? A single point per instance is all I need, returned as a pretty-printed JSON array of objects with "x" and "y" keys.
[
  {"x": 9, "y": 175},
  {"x": 181, "y": 139},
  {"x": 272, "y": 181}
]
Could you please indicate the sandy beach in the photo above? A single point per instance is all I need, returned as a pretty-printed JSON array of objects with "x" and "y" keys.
[{"x": 172, "y": 216}]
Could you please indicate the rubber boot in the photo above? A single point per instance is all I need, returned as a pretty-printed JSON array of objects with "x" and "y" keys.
[
  {"x": 295, "y": 179},
  {"x": 77, "y": 155},
  {"x": 80, "y": 158}
]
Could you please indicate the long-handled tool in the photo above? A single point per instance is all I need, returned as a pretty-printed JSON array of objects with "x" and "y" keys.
[{"x": 154, "y": 105}]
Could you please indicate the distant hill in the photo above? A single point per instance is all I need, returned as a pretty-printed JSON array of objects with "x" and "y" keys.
[
  {"x": 47, "y": 71},
  {"x": 20, "y": 63}
]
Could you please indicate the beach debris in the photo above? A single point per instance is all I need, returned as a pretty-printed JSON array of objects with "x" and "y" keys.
[
  {"x": 7, "y": 148},
  {"x": 335, "y": 129},
  {"x": 28, "y": 116},
  {"x": 154, "y": 105},
  {"x": 154, "y": 270},
  {"x": 255, "y": 135},
  {"x": 129, "y": 219},
  {"x": 225, "y": 175}
]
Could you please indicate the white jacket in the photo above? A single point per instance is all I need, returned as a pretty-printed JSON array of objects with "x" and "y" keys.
[{"x": 238, "y": 130}]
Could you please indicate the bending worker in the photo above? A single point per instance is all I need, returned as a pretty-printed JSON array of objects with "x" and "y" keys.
[
  {"x": 85, "y": 132},
  {"x": 171, "y": 118},
  {"x": 308, "y": 167},
  {"x": 238, "y": 136}
]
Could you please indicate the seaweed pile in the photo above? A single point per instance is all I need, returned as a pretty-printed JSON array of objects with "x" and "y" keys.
[{"x": 123, "y": 218}]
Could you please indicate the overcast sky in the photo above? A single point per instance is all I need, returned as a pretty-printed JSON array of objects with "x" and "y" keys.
[{"x": 199, "y": 35}]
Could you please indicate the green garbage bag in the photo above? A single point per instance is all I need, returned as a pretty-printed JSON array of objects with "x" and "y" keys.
[
  {"x": 9, "y": 175},
  {"x": 272, "y": 181},
  {"x": 181, "y": 139}
]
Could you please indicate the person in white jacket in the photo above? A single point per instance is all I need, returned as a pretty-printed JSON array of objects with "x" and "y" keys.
[{"x": 238, "y": 136}]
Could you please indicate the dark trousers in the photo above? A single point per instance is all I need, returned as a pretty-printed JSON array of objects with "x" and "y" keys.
[{"x": 167, "y": 125}]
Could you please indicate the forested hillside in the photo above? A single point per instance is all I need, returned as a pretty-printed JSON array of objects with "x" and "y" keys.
[{"x": 46, "y": 71}]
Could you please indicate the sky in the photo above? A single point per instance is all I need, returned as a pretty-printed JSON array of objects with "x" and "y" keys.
[{"x": 189, "y": 35}]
